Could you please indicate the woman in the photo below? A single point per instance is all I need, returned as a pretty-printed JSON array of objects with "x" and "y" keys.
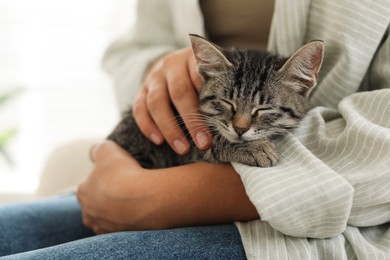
[{"x": 327, "y": 197}]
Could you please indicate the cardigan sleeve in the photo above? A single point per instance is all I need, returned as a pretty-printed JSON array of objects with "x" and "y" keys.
[
  {"x": 127, "y": 58},
  {"x": 335, "y": 169},
  {"x": 300, "y": 196},
  {"x": 371, "y": 204}
]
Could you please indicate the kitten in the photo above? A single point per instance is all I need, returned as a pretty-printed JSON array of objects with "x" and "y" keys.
[{"x": 248, "y": 99}]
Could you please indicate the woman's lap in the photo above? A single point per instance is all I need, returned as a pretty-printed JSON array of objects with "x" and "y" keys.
[
  {"x": 31, "y": 225},
  {"x": 28, "y": 226}
]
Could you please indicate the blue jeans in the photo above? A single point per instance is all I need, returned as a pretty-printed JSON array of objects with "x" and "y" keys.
[{"x": 52, "y": 229}]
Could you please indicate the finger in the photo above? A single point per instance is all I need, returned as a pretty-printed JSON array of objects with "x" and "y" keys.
[
  {"x": 87, "y": 220},
  {"x": 101, "y": 225},
  {"x": 106, "y": 226},
  {"x": 87, "y": 212},
  {"x": 97, "y": 231},
  {"x": 90, "y": 222},
  {"x": 198, "y": 83},
  {"x": 144, "y": 120},
  {"x": 159, "y": 105},
  {"x": 185, "y": 99},
  {"x": 195, "y": 77},
  {"x": 92, "y": 152},
  {"x": 109, "y": 150}
]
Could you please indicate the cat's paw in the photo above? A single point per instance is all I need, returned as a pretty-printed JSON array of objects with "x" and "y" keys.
[{"x": 264, "y": 154}]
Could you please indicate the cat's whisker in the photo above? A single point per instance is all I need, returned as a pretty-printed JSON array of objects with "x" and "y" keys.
[
  {"x": 198, "y": 116},
  {"x": 195, "y": 131},
  {"x": 195, "y": 119}
]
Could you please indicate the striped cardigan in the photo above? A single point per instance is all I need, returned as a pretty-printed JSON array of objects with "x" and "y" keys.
[{"x": 329, "y": 195}]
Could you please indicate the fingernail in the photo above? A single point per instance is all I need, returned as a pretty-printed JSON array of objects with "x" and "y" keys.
[
  {"x": 202, "y": 139},
  {"x": 155, "y": 138},
  {"x": 180, "y": 146}
]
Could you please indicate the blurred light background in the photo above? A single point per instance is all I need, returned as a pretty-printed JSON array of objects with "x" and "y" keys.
[{"x": 52, "y": 88}]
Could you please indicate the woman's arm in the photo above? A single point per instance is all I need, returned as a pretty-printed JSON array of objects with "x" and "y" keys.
[
  {"x": 153, "y": 61},
  {"x": 120, "y": 195}
]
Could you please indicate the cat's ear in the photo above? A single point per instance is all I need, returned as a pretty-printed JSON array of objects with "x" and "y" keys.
[
  {"x": 211, "y": 61},
  {"x": 303, "y": 66}
]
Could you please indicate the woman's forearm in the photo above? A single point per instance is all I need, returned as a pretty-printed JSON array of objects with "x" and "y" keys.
[
  {"x": 120, "y": 195},
  {"x": 198, "y": 194}
]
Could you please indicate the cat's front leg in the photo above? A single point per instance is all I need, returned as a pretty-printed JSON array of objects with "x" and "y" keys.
[{"x": 261, "y": 153}]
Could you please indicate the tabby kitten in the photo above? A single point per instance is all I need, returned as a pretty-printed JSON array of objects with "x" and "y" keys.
[{"x": 248, "y": 99}]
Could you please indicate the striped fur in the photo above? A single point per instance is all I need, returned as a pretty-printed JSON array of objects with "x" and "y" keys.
[{"x": 248, "y": 99}]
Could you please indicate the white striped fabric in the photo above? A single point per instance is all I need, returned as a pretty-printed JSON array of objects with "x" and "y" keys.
[
  {"x": 333, "y": 178},
  {"x": 329, "y": 195}
]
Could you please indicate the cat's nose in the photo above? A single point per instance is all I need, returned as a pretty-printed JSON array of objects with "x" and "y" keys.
[{"x": 240, "y": 130}]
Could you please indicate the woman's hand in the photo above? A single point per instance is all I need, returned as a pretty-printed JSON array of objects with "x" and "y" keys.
[
  {"x": 120, "y": 195},
  {"x": 110, "y": 197},
  {"x": 173, "y": 79}
]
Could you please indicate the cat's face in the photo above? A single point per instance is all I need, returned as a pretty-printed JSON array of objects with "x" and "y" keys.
[{"x": 250, "y": 95}]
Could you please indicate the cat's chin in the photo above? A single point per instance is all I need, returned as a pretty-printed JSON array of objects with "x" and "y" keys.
[
  {"x": 234, "y": 139},
  {"x": 247, "y": 139},
  {"x": 243, "y": 138}
]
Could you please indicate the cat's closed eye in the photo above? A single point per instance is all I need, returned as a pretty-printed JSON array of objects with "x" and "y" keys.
[
  {"x": 230, "y": 105},
  {"x": 256, "y": 110},
  {"x": 290, "y": 112}
]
